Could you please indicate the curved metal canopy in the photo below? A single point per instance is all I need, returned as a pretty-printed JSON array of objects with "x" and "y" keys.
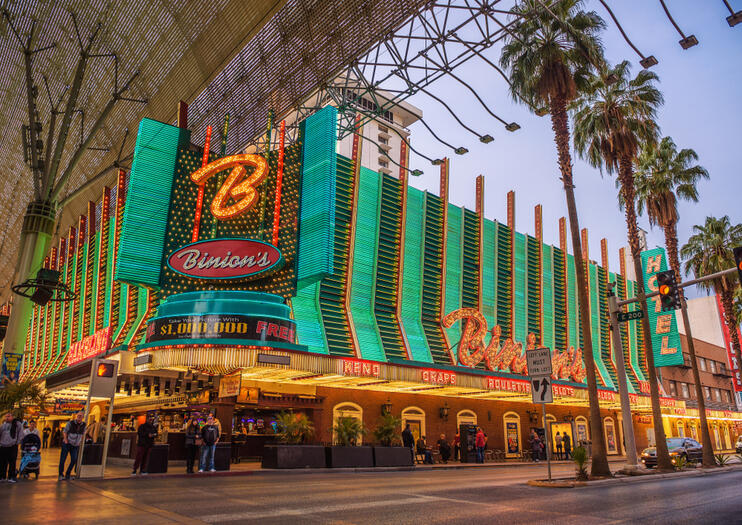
[{"x": 247, "y": 57}]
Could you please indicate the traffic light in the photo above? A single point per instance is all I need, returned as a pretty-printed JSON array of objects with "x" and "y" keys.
[
  {"x": 668, "y": 289},
  {"x": 738, "y": 261}
]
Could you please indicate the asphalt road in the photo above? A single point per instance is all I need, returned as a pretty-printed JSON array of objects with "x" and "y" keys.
[{"x": 491, "y": 495}]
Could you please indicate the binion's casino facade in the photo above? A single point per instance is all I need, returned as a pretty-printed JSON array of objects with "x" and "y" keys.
[{"x": 295, "y": 278}]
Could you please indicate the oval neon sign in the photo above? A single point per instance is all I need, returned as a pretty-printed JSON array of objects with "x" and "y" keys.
[{"x": 225, "y": 259}]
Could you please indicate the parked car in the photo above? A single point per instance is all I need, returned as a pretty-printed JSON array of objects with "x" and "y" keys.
[
  {"x": 738, "y": 445},
  {"x": 687, "y": 448}
]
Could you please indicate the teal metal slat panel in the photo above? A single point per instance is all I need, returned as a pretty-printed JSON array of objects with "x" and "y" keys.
[
  {"x": 310, "y": 329},
  {"x": 148, "y": 198},
  {"x": 520, "y": 330},
  {"x": 363, "y": 283},
  {"x": 318, "y": 187},
  {"x": 572, "y": 312},
  {"x": 412, "y": 277},
  {"x": 488, "y": 272},
  {"x": 454, "y": 262},
  {"x": 595, "y": 324},
  {"x": 547, "y": 290}
]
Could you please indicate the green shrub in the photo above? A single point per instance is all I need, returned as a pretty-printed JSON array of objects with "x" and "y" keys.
[
  {"x": 387, "y": 432},
  {"x": 579, "y": 456},
  {"x": 348, "y": 430},
  {"x": 681, "y": 462},
  {"x": 721, "y": 459}
]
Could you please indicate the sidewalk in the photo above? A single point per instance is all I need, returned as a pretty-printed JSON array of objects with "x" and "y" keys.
[{"x": 117, "y": 470}]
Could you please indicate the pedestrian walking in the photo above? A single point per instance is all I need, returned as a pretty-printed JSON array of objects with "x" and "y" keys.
[
  {"x": 11, "y": 432},
  {"x": 444, "y": 448},
  {"x": 480, "y": 441},
  {"x": 192, "y": 443},
  {"x": 457, "y": 446},
  {"x": 72, "y": 436},
  {"x": 567, "y": 446},
  {"x": 210, "y": 437},
  {"x": 46, "y": 434},
  {"x": 146, "y": 434},
  {"x": 535, "y": 446},
  {"x": 558, "y": 443}
]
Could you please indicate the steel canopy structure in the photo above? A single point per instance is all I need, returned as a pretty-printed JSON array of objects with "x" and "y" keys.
[{"x": 270, "y": 55}]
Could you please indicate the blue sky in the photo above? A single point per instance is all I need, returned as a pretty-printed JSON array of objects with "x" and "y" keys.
[{"x": 702, "y": 88}]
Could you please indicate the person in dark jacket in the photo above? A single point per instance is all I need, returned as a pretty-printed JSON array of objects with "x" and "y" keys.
[
  {"x": 11, "y": 431},
  {"x": 408, "y": 440},
  {"x": 210, "y": 437},
  {"x": 192, "y": 435},
  {"x": 567, "y": 441},
  {"x": 444, "y": 448},
  {"x": 146, "y": 434},
  {"x": 422, "y": 450}
]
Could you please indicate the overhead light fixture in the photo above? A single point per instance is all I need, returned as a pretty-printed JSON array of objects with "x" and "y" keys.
[
  {"x": 513, "y": 126},
  {"x": 734, "y": 19},
  {"x": 416, "y": 173},
  {"x": 689, "y": 41},
  {"x": 436, "y": 162},
  {"x": 648, "y": 62},
  {"x": 461, "y": 151},
  {"x": 486, "y": 139},
  {"x": 386, "y": 408},
  {"x": 42, "y": 289}
]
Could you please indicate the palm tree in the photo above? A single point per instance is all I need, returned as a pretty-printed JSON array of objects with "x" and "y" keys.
[
  {"x": 612, "y": 118},
  {"x": 664, "y": 175},
  {"x": 708, "y": 251},
  {"x": 16, "y": 397},
  {"x": 549, "y": 52}
]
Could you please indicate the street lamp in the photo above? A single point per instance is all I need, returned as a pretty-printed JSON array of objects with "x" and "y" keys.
[
  {"x": 386, "y": 408},
  {"x": 444, "y": 411}
]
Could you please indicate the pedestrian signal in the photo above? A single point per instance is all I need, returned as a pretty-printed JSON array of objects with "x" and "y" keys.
[{"x": 668, "y": 288}]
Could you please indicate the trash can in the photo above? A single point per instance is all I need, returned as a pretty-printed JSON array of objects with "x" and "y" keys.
[
  {"x": 157, "y": 460},
  {"x": 222, "y": 455},
  {"x": 92, "y": 454}
]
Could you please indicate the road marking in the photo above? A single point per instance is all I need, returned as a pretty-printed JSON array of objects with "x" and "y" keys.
[
  {"x": 177, "y": 518},
  {"x": 303, "y": 511}
]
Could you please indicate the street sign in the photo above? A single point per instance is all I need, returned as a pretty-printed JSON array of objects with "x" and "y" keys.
[
  {"x": 539, "y": 362},
  {"x": 630, "y": 316},
  {"x": 541, "y": 389}
]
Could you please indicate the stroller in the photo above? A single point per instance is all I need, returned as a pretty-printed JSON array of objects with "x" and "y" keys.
[{"x": 30, "y": 456}]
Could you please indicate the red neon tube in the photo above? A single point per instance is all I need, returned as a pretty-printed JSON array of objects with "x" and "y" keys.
[
  {"x": 200, "y": 198},
  {"x": 279, "y": 183}
]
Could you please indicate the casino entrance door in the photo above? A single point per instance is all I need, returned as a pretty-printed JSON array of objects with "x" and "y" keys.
[{"x": 562, "y": 428}]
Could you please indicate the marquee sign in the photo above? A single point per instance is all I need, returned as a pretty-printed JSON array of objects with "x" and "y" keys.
[
  {"x": 89, "y": 346},
  {"x": 664, "y": 327},
  {"x": 221, "y": 326},
  {"x": 225, "y": 259}
]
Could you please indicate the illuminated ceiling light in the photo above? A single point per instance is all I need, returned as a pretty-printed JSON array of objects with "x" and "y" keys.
[
  {"x": 513, "y": 126},
  {"x": 648, "y": 62},
  {"x": 689, "y": 41},
  {"x": 416, "y": 173},
  {"x": 461, "y": 151},
  {"x": 734, "y": 19},
  {"x": 436, "y": 162},
  {"x": 486, "y": 139}
]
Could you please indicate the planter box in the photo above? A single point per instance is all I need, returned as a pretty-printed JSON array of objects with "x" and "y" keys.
[
  {"x": 349, "y": 457},
  {"x": 294, "y": 456},
  {"x": 393, "y": 457}
]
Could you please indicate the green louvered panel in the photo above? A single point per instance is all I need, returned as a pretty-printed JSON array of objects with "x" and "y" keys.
[
  {"x": 572, "y": 313},
  {"x": 139, "y": 259},
  {"x": 592, "y": 272},
  {"x": 317, "y": 212},
  {"x": 109, "y": 282},
  {"x": 636, "y": 339},
  {"x": 308, "y": 316},
  {"x": 605, "y": 324},
  {"x": 547, "y": 287},
  {"x": 470, "y": 280},
  {"x": 623, "y": 328},
  {"x": 488, "y": 272},
  {"x": 412, "y": 277},
  {"x": 362, "y": 289},
  {"x": 560, "y": 303},
  {"x": 454, "y": 268},
  {"x": 533, "y": 281},
  {"x": 387, "y": 268},
  {"x": 519, "y": 290},
  {"x": 433, "y": 254},
  {"x": 504, "y": 280},
  {"x": 332, "y": 289}
]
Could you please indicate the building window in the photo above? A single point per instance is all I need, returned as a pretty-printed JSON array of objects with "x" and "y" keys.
[
  {"x": 511, "y": 424},
  {"x": 707, "y": 393},
  {"x": 383, "y": 164},
  {"x": 383, "y": 129},
  {"x": 346, "y": 410},
  {"x": 702, "y": 364},
  {"x": 721, "y": 368},
  {"x": 685, "y": 390},
  {"x": 727, "y": 396},
  {"x": 686, "y": 360},
  {"x": 672, "y": 388},
  {"x": 712, "y": 366},
  {"x": 383, "y": 140},
  {"x": 415, "y": 417},
  {"x": 717, "y": 394}
]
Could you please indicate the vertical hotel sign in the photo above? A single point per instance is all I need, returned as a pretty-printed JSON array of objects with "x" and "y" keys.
[
  {"x": 664, "y": 327},
  {"x": 734, "y": 366}
]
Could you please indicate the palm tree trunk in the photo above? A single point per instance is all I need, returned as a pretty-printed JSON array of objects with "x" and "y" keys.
[
  {"x": 671, "y": 241},
  {"x": 727, "y": 301},
  {"x": 626, "y": 177},
  {"x": 559, "y": 124}
]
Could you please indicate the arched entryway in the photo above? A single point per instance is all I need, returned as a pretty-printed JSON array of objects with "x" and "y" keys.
[
  {"x": 346, "y": 409},
  {"x": 415, "y": 417},
  {"x": 511, "y": 426}
]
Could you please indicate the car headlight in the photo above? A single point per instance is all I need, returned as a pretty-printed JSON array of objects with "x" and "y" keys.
[{"x": 674, "y": 453}]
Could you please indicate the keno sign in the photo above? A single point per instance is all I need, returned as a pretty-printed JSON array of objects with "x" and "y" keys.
[{"x": 225, "y": 259}]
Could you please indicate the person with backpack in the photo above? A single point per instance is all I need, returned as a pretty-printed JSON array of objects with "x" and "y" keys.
[
  {"x": 11, "y": 432},
  {"x": 210, "y": 437},
  {"x": 73, "y": 434},
  {"x": 146, "y": 434}
]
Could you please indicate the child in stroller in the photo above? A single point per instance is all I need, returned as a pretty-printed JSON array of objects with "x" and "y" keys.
[{"x": 30, "y": 455}]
